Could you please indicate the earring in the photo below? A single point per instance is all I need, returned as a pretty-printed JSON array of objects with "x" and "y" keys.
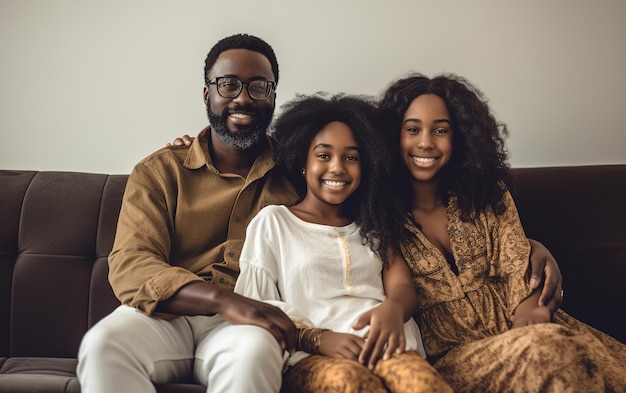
[{"x": 303, "y": 172}]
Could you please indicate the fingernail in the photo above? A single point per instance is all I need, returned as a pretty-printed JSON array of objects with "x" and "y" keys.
[{"x": 533, "y": 282}]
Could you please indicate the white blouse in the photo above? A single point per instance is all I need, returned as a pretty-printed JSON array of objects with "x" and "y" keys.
[{"x": 320, "y": 276}]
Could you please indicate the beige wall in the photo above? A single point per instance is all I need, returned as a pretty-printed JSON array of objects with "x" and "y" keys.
[{"x": 95, "y": 86}]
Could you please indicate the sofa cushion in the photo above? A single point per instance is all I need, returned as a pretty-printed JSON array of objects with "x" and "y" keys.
[{"x": 32, "y": 374}]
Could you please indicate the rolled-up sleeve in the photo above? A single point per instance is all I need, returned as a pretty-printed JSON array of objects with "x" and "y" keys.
[{"x": 139, "y": 269}]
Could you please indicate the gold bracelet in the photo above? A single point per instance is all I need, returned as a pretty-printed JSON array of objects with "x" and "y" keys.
[{"x": 309, "y": 339}]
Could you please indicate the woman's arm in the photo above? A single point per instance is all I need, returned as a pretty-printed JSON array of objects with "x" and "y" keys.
[
  {"x": 386, "y": 335},
  {"x": 399, "y": 285}
]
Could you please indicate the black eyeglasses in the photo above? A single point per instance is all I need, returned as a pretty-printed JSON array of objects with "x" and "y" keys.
[{"x": 230, "y": 87}]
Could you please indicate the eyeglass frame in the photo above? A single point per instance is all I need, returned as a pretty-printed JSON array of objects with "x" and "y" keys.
[{"x": 215, "y": 81}]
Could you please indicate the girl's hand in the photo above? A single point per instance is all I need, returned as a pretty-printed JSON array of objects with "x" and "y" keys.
[
  {"x": 532, "y": 317},
  {"x": 386, "y": 335},
  {"x": 341, "y": 345}
]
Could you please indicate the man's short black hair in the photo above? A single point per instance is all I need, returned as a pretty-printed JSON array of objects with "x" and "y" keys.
[{"x": 240, "y": 41}]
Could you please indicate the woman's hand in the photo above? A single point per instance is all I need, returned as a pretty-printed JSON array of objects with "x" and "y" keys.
[
  {"x": 341, "y": 345},
  {"x": 386, "y": 335}
]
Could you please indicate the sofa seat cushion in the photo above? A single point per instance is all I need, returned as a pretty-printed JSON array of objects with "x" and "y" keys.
[{"x": 33, "y": 374}]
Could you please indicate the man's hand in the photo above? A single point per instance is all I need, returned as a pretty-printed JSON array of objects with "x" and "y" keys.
[
  {"x": 386, "y": 335},
  {"x": 532, "y": 317},
  {"x": 238, "y": 309},
  {"x": 341, "y": 345},
  {"x": 184, "y": 140},
  {"x": 202, "y": 298},
  {"x": 542, "y": 262}
]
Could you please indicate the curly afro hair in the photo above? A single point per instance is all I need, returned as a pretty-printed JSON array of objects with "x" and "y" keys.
[
  {"x": 478, "y": 172},
  {"x": 240, "y": 41},
  {"x": 375, "y": 206}
]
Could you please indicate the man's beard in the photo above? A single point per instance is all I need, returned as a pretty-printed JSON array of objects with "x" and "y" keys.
[{"x": 240, "y": 142}]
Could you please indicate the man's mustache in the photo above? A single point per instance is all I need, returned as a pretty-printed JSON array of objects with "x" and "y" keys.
[{"x": 238, "y": 108}]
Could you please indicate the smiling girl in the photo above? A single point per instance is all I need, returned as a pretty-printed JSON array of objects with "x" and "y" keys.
[{"x": 332, "y": 262}]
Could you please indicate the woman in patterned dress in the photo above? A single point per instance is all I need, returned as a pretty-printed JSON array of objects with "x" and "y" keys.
[{"x": 482, "y": 325}]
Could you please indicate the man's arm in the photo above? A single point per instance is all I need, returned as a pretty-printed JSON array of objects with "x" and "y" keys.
[
  {"x": 202, "y": 298},
  {"x": 139, "y": 269},
  {"x": 542, "y": 262},
  {"x": 184, "y": 140},
  {"x": 528, "y": 312}
]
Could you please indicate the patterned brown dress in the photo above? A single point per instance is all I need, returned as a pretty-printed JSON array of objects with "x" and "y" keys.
[{"x": 465, "y": 318}]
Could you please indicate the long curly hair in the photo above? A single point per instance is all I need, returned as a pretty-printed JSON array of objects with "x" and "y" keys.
[
  {"x": 374, "y": 206},
  {"x": 478, "y": 172}
]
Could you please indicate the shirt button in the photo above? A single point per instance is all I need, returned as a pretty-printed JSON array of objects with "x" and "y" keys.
[{"x": 237, "y": 219}]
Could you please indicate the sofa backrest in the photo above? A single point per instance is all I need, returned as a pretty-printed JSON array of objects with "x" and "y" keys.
[
  {"x": 579, "y": 213},
  {"x": 56, "y": 232},
  {"x": 57, "y": 229}
]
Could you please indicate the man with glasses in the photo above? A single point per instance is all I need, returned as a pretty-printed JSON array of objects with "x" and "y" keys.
[{"x": 175, "y": 257}]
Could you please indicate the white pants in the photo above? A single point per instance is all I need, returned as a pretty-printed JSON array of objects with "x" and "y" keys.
[{"x": 127, "y": 351}]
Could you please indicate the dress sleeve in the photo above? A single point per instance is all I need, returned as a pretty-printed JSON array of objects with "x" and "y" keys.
[
  {"x": 255, "y": 282},
  {"x": 512, "y": 254},
  {"x": 260, "y": 266}
]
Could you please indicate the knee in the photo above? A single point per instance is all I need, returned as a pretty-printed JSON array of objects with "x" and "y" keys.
[
  {"x": 543, "y": 341},
  {"x": 409, "y": 372},
  {"x": 246, "y": 347},
  {"x": 354, "y": 377},
  {"x": 251, "y": 350},
  {"x": 96, "y": 341},
  {"x": 349, "y": 369},
  {"x": 98, "y": 352},
  {"x": 542, "y": 337},
  {"x": 256, "y": 345},
  {"x": 321, "y": 373},
  {"x": 105, "y": 341}
]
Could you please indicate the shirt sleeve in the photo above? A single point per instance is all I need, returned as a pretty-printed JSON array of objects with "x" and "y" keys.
[{"x": 139, "y": 269}]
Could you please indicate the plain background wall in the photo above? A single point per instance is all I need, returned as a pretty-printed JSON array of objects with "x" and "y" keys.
[{"x": 95, "y": 86}]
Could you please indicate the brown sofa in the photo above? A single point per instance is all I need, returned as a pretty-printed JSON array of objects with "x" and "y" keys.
[{"x": 57, "y": 228}]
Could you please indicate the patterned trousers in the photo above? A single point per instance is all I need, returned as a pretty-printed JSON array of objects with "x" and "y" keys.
[{"x": 407, "y": 372}]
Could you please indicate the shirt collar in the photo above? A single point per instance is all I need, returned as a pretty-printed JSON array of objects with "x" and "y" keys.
[{"x": 198, "y": 156}]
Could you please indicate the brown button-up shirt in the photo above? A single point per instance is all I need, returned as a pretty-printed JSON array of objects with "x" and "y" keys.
[{"x": 183, "y": 221}]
